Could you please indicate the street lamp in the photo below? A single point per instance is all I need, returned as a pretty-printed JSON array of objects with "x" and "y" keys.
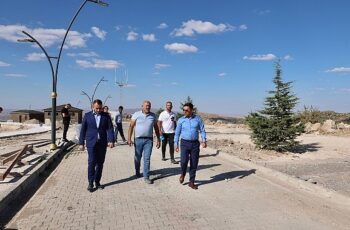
[{"x": 54, "y": 71}]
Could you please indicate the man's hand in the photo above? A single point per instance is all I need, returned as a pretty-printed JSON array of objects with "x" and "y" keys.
[
  {"x": 177, "y": 149},
  {"x": 204, "y": 145},
  {"x": 81, "y": 147},
  {"x": 130, "y": 143},
  {"x": 158, "y": 143},
  {"x": 111, "y": 144}
]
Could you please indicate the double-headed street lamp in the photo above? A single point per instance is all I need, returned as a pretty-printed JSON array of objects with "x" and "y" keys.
[{"x": 54, "y": 71}]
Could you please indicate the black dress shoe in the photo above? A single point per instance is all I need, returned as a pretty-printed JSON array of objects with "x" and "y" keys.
[
  {"x": 99, "y": 186},
  {"x": 90, "y": 188},
  {"x": 173, "y": 161},
  {"x": 138, "y": 175}
]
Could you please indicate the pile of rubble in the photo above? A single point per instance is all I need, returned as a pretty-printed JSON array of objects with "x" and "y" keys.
[{"x": 329, "y": 126}]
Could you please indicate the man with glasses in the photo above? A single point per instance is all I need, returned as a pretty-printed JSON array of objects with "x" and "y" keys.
[
  {"x": 97, "y": 130},
  {"x": 167, "y": 125},
  {"x": 144, "y": 122},
  {"x": 188, "y": 127}
]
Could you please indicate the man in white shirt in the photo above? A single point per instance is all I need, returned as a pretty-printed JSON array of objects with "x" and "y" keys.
[
  {"x": 119, "y": 124},
  {"x": 167, "y": 126}
]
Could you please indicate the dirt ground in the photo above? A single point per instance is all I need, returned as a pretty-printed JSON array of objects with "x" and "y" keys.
[
  {"x": 7, "y": 128},
  {"x": 321, "y": 159}
]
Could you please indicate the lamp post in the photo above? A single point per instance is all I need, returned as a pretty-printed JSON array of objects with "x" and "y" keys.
[{"x": 54, "y": 71}]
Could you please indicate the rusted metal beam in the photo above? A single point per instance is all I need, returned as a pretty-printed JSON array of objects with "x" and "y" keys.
[{"x": 13, "y": 163}]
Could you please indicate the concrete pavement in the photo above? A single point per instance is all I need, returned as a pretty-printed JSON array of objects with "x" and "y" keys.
[{"x": 229, "y": 197}]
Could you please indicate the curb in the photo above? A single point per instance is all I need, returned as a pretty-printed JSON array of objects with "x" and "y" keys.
[
  {"x": 286, "y": 180},
  {"x": 10, "y": 198},
  {"x": 24, "y": 134}
]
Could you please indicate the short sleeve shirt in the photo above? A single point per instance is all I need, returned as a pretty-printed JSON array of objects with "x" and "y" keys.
[
  {"x": 144, "y": 124},
  {"x": 168, "y": 121},
  {"x": 118, "y": 118}
]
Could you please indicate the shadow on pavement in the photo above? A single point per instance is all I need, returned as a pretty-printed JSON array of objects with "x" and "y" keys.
[
  {"x": 167, "y": 172},
  {"x": 210, "y": 155},
  {"x": 227, "y": 176},
  {"x": 133, "y": 177}
]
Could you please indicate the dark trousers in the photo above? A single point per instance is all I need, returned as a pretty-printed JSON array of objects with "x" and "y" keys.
[
  {"x": 168, "y": 137},
  {"x": 96, "y": 159},
  {"x": 189, "y": 152},
  {"x": 119, "y": 129},
  {"x": 65, "y": 129}
]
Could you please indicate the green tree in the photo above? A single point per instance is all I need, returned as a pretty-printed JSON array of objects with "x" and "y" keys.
[
  {"x": 188, "y": 100},
  {"x": 276, "y": 127}
]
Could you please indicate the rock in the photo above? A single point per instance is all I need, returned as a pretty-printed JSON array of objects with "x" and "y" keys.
[
  {"x": 329, "y": 126},
  {"x": 315, "y": 127},
  {"x": 219, "y": 122},
  {"x": 32, "y": 121},
  {"x": 341, "y": 126},
  {"x": 308, "y": 127}
]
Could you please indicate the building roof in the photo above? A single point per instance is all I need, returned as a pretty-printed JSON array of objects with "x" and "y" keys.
[
  {"x": 26, "y": 111},
  {"x": 60, "y": 107}
]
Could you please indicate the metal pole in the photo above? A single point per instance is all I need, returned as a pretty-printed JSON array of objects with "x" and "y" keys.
[
  {"x": 54, "y": 92},
  {"x": 54, "y": 72}
]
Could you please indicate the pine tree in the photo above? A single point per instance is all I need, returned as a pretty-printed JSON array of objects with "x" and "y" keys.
[
  {"x": 276, "y": 127},
  {"x": 188, "y": 100}
]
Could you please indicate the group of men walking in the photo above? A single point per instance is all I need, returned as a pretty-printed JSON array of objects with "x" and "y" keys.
[{"x": 183, "y": 134}]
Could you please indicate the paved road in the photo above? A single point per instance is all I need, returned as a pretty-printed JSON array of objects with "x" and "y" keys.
[{"x": 229, "y": 197}]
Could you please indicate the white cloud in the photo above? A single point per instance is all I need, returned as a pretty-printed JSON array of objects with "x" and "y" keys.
[
  {"x": 161, "y": 66},
  {"x": 222, "y": 74},
  {"x": 288, "y": 58},
  {"x": 15, "y": 75},
  {"x": 162, "y": 25},
  {"x": 261, "y": 57},
  {"x": 47, "y": 37},
  {"x": 191, "y": 27},
  {"x": 149, "y": 37},
  {"x": 35, "y": 57},
  {"x": 243, "y": 27},
  {"x": 174, "y": 83},
  {"x": 339, "y": 70},
  {"x": 85, "y": 54},
  {"x": 156, "y": 73},
  {"x": 98, "y": 64},
  {"x": 181, "y": 48},
  {"x": 132, "y": 36},
  {"x": 101, "y": 34},
  {"x": 4, "y": 64}
]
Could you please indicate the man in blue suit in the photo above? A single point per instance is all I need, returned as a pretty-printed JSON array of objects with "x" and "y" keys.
[{"x": 97, "y": 131}]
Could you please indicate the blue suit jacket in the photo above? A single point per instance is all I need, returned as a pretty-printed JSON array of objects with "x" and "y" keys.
[{"x": 89, "y": 130}]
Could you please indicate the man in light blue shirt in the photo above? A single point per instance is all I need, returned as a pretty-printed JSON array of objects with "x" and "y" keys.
[
  {"x": 143, "y": 122},
  {"x": 189, "y": 127}
]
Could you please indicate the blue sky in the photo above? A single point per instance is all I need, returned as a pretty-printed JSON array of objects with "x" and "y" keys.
[{"x": 221, "y": 53}]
